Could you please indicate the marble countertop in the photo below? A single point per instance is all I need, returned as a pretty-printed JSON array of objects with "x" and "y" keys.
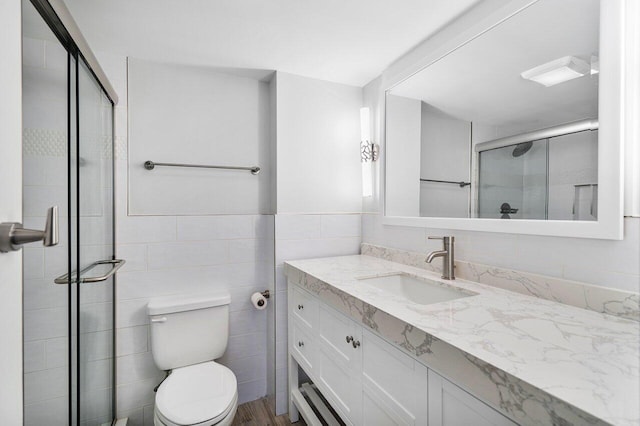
[{"x": 588, "y": 360}]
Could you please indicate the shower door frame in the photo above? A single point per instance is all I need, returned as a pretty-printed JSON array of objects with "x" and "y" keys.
[{"x": 58, "y": 19}]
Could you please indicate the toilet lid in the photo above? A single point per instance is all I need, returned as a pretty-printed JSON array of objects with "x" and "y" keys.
[{"x": 197, "y": 393}]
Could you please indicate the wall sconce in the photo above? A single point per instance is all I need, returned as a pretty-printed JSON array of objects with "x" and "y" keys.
[{"x": 369, "y": 152}]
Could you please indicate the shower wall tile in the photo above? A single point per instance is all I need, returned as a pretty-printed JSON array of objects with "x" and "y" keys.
[
  {"x": 55, "y": 378},
  {"x": 45, "y": 324},
  {"x": 52, "y": 411},
  {"x": 33, "y": 263},
  {"x": 42, "y": 294},
  {"x": 34, "y": 356},
  {"x": 57, "y": 352}
]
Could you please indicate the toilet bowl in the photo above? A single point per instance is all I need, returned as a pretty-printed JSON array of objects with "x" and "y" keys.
[
  {"x": 187, "y": 334},
  {"x": 202, "y": 394}
]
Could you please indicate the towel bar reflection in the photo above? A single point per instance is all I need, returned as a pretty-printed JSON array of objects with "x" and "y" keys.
[
  {"x": 460, "y": 184},
  {"x": 150, "y": 165},
  {"x": 116, "y": 264}
]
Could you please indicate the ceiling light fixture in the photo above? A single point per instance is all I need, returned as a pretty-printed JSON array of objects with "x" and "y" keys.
[{"x": 558, "y": 71}]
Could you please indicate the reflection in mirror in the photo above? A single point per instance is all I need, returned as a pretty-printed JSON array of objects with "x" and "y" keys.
[{"x": 503, "y": 127}]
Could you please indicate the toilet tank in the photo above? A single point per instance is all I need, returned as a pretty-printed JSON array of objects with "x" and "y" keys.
[{"x": 188, "y": 329}]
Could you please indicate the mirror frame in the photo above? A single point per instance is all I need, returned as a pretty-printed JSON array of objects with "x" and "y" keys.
[{"x": 611, "y": 103}]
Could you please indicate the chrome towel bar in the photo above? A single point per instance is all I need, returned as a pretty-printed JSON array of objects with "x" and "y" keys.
[
  {"x": 150, "y": 165},
  {"x": 460, "y": 184},
  {"x": 116, "y": 263}
]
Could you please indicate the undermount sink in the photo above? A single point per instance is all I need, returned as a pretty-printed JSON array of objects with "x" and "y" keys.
[{"x": 418, "y": 290}]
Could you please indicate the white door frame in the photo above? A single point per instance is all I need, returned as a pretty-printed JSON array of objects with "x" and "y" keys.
[{"x": 11, "y": 399}]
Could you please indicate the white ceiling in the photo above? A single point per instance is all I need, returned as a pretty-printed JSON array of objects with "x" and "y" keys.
[
  {"x": 481, "y": 82},
  {"x": 346, "y": 41}
]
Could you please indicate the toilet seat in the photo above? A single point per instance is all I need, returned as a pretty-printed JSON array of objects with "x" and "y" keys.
[{"x": 200, "y": 394}]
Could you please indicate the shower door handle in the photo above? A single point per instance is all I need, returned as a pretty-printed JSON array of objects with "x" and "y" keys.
[{"x": 13, "y": 235}]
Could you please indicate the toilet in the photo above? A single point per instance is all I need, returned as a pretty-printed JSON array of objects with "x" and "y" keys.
[{"x": 187, "y": 334}]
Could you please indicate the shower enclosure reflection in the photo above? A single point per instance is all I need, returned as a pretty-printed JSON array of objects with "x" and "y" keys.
[
  {"x": 551, "y": 178},
  {"x": 504, "y": 126}
]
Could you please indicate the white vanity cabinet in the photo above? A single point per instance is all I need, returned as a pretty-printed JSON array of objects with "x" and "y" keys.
[{"x": 367, "y": 380}]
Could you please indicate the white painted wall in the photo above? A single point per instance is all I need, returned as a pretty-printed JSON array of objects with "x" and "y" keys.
[
  {"x": 445, "y": 145},
  {"x": 179, "y": 254},
  {"x": 197, "y": 115},
  {"x": 318, "y": 148},
  {"x": 403, "y": 158},
  {"x": 11, "y": 211}
]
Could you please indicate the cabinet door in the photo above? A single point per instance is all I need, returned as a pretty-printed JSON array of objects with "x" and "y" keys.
[
  {"x": 451, "y": 406},
  {"x": 394, "y": 385},
  {"x": 339, "y": 363}
]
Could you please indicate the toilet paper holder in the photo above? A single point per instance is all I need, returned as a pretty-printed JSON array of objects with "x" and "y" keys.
[{"x": 259, "y": 299}]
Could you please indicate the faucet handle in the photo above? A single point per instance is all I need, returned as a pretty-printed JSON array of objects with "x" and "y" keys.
[{"x": 447, "y": 239}]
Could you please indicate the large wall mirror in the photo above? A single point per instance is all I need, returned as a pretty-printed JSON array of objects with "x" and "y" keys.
[{"x": 516, "y": 129}]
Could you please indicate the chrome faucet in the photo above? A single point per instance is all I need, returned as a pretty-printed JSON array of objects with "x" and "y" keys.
[{"x": 448, "y": 260}]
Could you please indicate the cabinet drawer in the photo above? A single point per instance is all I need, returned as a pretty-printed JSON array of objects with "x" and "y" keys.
[
  {"x": 303, "y": 347},
  {"x": 304, "y": 307}
]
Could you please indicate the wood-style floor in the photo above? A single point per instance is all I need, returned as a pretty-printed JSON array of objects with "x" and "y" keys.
[{"x": 259, "y": 413}]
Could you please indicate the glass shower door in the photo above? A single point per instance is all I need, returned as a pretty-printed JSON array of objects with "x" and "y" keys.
[
  {"x": 95, "y": 296},
  {"x": 513, "y": 181},
  {"x": 68, "y": 290}
]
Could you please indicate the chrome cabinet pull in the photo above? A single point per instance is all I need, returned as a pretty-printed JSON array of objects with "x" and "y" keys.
[
  {"x": 116, "y": 263},
  {"x": 161, "y": 319},
  {"x": 13, "y": 235}
]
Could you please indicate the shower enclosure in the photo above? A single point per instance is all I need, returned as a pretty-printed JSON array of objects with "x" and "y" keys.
[
  {"x": 68, "y": 289},
  {"x": 553, "y": 177}
]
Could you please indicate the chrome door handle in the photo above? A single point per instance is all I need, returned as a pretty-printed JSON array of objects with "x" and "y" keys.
[{"x": 13, "y": 235}]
